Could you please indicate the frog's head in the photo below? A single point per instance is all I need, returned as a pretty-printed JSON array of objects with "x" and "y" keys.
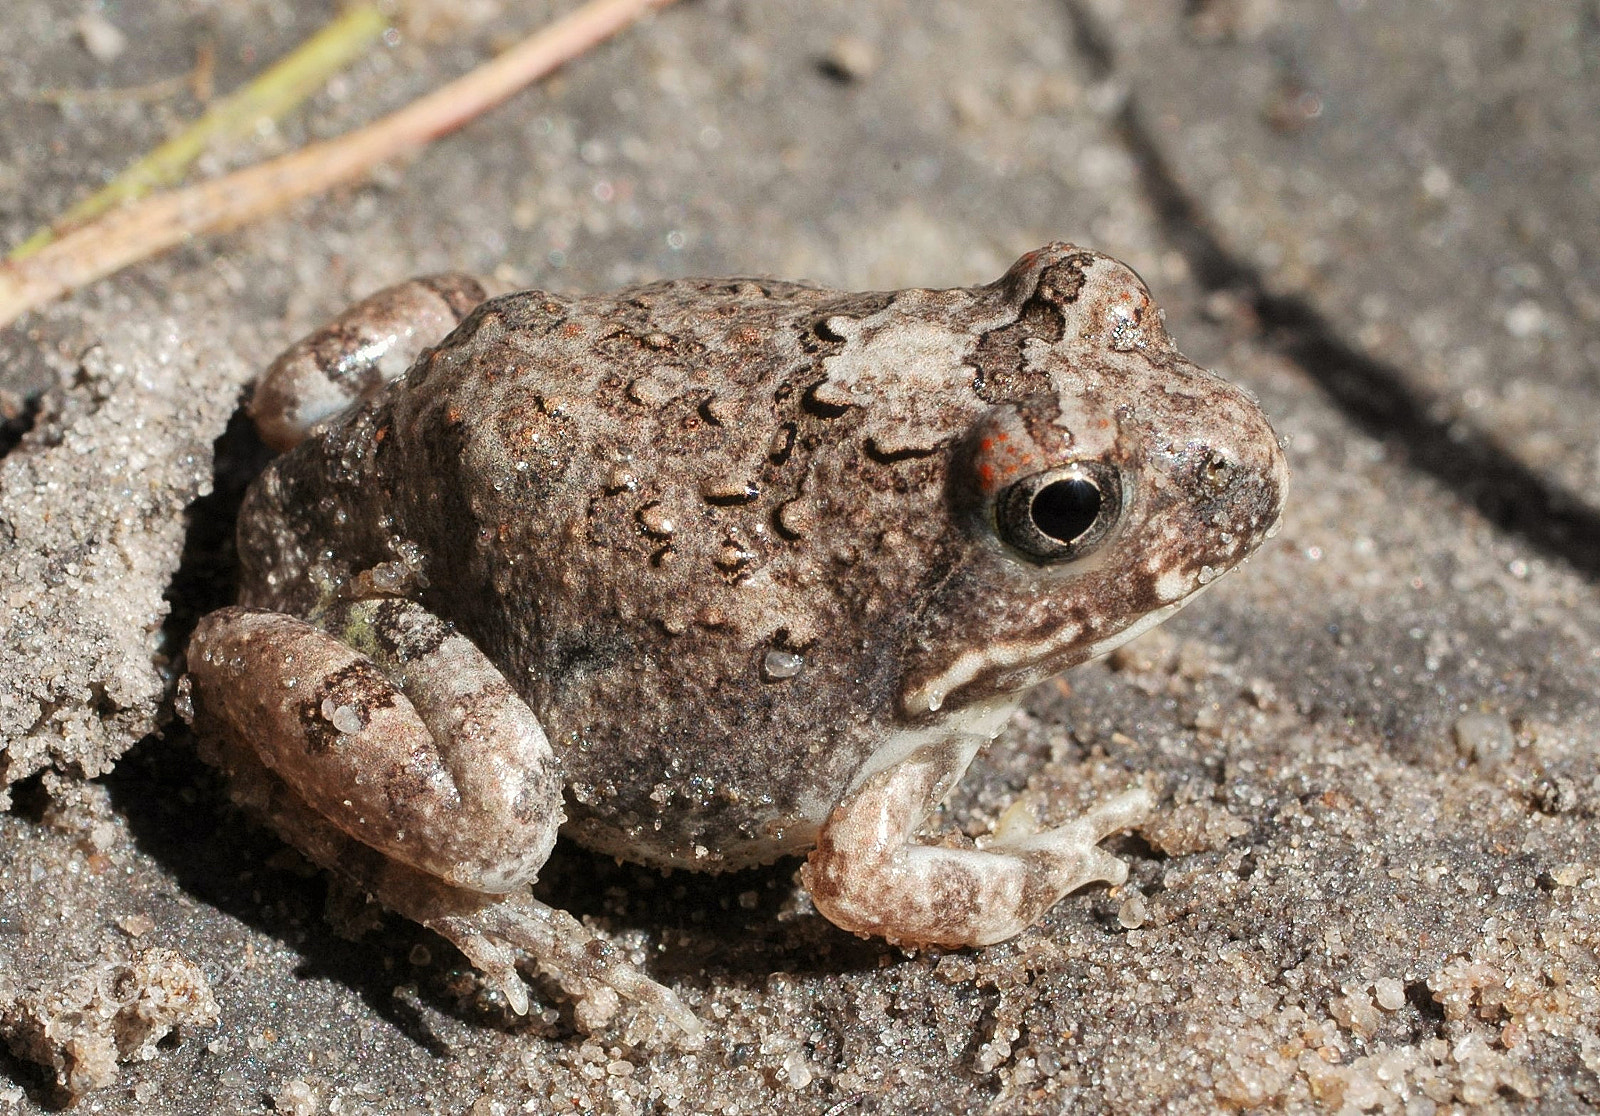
[{"x": 1106, "y": 484}]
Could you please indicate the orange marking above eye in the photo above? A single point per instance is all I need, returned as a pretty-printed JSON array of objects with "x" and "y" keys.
[
  {"x": 453, "y": 415},
  {"x": 986, "y": 474}
]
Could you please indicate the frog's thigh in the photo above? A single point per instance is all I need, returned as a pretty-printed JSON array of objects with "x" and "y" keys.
[
  {"x": 369, "y": 344},
  {"x": 866, "y": 874},
  {"x": 417, "y": 748}
]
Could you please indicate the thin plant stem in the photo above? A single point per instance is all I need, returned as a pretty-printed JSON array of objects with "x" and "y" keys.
[{"x": 160, "y": 221}]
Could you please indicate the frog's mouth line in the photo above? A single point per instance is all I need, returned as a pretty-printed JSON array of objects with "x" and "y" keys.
[{"x": 930, "y": 696}]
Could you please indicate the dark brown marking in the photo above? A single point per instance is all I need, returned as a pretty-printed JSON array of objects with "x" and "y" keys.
[
  {"x": 1000, "y": 376},
  {"x": 825, "y": 331},
  {"x": 407, "y": 633},
  {"x": 1062, "y": 282},
  {"x": 359, "y": 686},
  {"x": 782, "y": 444},
  {"x": 817, "y": 407}
]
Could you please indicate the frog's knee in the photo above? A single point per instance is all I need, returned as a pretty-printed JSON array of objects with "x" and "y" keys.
[
  {"x": 368, "y": 345},
  {"x": 469, "y": 794}
]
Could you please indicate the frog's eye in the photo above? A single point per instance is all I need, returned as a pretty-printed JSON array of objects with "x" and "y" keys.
[{"x": 1061, "y": 513}]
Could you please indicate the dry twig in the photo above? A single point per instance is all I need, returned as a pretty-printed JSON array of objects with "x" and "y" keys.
[
  {"x": 160, "y": 221},
  {"x": 272, "y": 94}
]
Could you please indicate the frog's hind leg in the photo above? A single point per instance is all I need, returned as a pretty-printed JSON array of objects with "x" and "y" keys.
[
  {"x": 368, "y": 345},
  {"x": 493, "y": 931},
  {"x": 397, "y": 756},
  {"x": 869, "y": 876}
]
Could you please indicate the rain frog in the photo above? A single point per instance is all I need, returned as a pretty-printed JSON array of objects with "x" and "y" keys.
[{"x": 702, "y": 574}]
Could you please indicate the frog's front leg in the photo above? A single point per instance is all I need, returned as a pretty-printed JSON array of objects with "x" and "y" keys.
[
  {"x": 369, "y": 344},
  {"x": 390, "y": 750},
  {"x": 868, "y": 875}
]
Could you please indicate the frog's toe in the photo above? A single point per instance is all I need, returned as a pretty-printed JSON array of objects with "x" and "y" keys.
[
  {"x": 498, "y": 964},
  {"x": 588, "y": 968},
  {"x": 1072, "y": 850},
  {"x": 1125, "y": 811}
]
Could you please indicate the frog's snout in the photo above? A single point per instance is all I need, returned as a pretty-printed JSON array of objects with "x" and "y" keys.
[{"x": 1238, "y": 477}]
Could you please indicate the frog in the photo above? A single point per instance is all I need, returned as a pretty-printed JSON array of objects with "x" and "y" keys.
[{"x": 702, "y": 574}]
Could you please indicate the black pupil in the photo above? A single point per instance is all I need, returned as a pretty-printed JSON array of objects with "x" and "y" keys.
[{"x": 1067, "y": 508}]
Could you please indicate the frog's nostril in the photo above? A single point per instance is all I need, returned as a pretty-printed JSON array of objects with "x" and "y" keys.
[
  {"x": 1238, "y": 476},
  {"x": 1246, "y": 460},
  {"x": 1216, "y": 473}
]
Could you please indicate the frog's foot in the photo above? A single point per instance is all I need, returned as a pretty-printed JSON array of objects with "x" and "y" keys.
[
  {"x": 493, "y": 931},
  {"x": 588, "y": 968},
  {"x": 867, "y": 876}
]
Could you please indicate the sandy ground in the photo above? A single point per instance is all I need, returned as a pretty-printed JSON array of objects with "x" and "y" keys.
[{"x": 1375, "y": 882}]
